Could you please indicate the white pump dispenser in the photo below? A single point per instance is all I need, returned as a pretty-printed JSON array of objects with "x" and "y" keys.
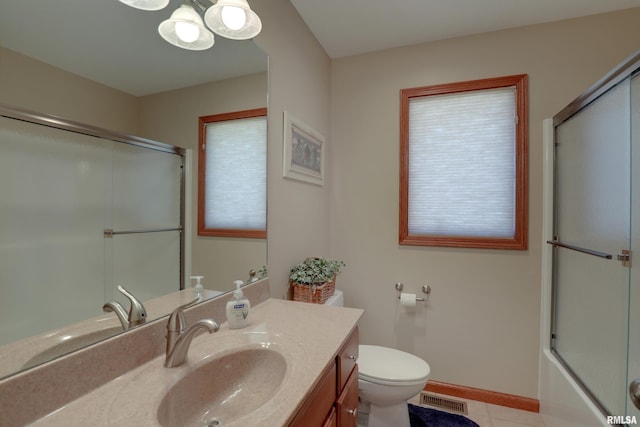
[
  {"x": 238, "y": 308},
  {"x": 198, "y": 289}
]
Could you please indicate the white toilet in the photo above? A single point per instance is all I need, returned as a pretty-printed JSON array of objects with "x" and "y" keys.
[{"x": 387, "y": 379}]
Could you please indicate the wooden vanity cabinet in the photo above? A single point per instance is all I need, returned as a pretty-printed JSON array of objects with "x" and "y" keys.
[{"x": 334, "y": 401}]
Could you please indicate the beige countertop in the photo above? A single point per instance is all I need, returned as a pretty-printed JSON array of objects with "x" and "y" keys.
[{"x": 309, "y": 335}]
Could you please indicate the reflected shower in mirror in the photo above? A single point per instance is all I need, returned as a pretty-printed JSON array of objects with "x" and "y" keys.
[{"x": 132, "y": 82}]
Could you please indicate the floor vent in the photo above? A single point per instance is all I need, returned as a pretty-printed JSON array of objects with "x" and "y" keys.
[{"x": 448, "y": 404}]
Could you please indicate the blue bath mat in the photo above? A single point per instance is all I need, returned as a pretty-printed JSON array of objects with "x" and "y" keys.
[{"x": 427, "y": 417}]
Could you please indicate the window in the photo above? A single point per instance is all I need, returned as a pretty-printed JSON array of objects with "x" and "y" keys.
[
  {"x": 463, "y": 164},
  {"x": 232, "y": 174}
]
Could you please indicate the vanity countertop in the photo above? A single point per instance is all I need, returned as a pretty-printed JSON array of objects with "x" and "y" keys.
[{"x": 316, "y": 331}]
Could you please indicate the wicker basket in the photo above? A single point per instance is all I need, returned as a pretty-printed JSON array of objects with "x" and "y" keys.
[{"x": 316, "y": 294}]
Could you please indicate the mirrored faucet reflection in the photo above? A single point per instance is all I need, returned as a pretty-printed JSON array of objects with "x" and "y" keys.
[
  {"x": 137, "y": 313},
  {"x": 178, "y": 340}
]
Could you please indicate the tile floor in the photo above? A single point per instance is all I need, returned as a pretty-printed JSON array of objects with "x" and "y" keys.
[{"x": 489, "y": 415}]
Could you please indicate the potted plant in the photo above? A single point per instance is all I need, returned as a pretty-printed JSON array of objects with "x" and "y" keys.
[{"x": 314, "y": 280}]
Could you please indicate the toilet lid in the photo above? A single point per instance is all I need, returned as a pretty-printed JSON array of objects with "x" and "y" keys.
[{"x": 387, "y": 365}]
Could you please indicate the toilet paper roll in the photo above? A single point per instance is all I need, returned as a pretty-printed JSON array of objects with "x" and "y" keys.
[{"x": 408, "y": 300}]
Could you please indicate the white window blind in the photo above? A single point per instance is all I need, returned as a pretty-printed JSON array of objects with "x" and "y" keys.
[
  {"x": 462, "y": 164},
  {"x": 236, "y": 174}
]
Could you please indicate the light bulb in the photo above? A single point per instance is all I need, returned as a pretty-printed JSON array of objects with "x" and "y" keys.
[
  {"x": 187, "y": 32},
  {"x": 233, "y": 17}
]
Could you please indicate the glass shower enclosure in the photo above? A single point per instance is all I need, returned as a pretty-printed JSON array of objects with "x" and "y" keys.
[
  {"x": 83, "y": 210},
  {"x": 596, "y": 288}
]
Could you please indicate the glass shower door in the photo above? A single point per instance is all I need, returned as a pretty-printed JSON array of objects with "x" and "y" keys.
[
  {"x": 634, "y": 291},
  {"x": 51, "y": 213},
  {"x": 144, "y": 254},
  {"x": 592, "y": 227}
]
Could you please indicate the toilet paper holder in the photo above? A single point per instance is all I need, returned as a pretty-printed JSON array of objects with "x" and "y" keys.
[{"x": 426, "y": 289}]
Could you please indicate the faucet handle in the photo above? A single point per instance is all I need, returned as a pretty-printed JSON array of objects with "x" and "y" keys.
[
  {"x": 176, "y": 320},
  {"x": 137, "y": 312}
]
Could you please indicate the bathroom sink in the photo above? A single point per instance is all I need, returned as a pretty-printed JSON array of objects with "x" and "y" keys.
[
  {"x": 68, "y": 343},
  {"x": 223, "y": 389},
  {"x": 228, "y": 379}
]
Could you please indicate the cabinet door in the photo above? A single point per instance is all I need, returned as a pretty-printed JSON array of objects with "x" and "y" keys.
[
  {"x": 347, "y": 403},
  {"x": 318, "y": 404},
  {"x": 332, "y": 419}
]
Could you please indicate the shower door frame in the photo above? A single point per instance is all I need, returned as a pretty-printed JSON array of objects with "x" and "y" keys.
[
  {"x": 51, "y": 121},
  {"x": 625, "y": 70}
]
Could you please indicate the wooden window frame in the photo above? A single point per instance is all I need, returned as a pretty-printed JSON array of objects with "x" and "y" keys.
[
  {"x": 519, "y": 240},
  {"x": 202, "y": 165}
]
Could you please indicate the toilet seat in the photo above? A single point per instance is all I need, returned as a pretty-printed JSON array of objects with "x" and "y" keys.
[{"x": 388, "y": 366}]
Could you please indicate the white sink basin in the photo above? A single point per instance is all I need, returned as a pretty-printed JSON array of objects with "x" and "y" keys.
[{"x": 223, "y": 389}]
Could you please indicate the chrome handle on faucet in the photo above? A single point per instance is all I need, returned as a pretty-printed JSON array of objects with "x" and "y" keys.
[
  {"x": 176, "y": 320},
  {"x": 137, "y": 312}
]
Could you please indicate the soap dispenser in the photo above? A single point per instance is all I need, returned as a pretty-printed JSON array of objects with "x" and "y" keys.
[
  {"x": 238, "y": 308},
  {"x": 198, "y": 289}
]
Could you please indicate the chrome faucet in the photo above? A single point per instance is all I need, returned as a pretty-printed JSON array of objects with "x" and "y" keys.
[
  {"x": 137, "y": 313},
  {"x": 178, "y": 340}
]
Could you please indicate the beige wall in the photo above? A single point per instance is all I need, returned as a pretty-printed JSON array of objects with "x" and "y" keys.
[
  {"x": 299, "y": 82},
  {"x": 481, "y": 327},
  {"x": 172, "y": 117},
  {"x": 36, "y": 86}
]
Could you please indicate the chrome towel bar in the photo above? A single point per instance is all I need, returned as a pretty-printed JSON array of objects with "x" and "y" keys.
[
  {"x": 110, "y": 233},
  {"x": 579, "y": 249}
]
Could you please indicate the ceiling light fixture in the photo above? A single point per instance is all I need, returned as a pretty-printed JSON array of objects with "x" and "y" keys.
[
  {"x": 185, "y": 29},
  {"x": 232, "y": 19}
]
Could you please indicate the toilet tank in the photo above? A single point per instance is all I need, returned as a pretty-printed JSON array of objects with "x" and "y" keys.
[{"x": 337, "y": 299}]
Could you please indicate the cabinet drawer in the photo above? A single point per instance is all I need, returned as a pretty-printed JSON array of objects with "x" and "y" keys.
[
  {"x": 347, "y": 403},
  {"x": 347, "y": 358}
]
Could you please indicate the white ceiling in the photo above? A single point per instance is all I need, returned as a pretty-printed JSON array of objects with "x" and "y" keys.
[{"x": 349, "y": 27}]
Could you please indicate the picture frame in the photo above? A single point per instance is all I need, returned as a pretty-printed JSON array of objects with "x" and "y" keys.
[{"x": 303, "y": 152}]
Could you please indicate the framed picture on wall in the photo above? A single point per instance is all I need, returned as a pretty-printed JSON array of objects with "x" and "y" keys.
[{"x": 303, "y": 153}]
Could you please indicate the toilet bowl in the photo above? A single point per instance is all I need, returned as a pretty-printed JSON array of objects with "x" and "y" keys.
[{"x": 387, "y": 378}]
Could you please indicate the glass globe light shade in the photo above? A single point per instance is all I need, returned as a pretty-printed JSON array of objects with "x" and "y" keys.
[
  {"x": 185, "y": 29},
  {"x": 233, "y": 17},
  {"x": 224, "y": 18}
]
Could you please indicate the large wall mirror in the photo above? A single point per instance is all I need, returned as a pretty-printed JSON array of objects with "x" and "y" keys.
[{"x": 102, "y": 63}]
